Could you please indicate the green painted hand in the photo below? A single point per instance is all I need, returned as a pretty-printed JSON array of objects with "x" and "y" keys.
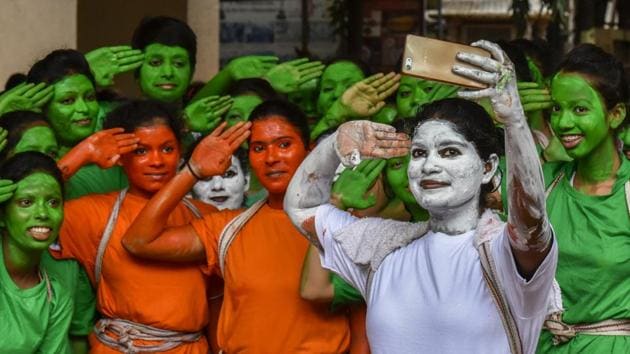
[
  {"x": 251, "y": 66},
  {"x": 205, "y": 114},
  {"x": 367, "y": 96},
  {"x": 25, "y": 97},
  {"x": 108, "y": 62},
  {"x": 293, "y": 75},
  {"x": 351, "y": 188},
  {"x": 534, "y": 97},
  {"x": 3, "y": 138},
  {"x": 7, "y": 187},
  {"x": 386, "y": 115}
]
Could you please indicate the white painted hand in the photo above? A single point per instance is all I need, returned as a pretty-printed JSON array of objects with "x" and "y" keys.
[{"x": 364, "y": 139}]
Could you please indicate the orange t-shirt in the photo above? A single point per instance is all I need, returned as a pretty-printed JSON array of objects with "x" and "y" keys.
[
  {"x": 160, "y": 294},
  {"x": 262, "y": 309}
]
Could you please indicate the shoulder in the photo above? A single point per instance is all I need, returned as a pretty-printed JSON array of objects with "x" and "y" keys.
[{"x": 551, "y": 170}]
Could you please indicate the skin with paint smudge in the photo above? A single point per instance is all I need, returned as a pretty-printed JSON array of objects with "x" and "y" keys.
[
  {"x": 33, "y": 216},
  {"x": 73, "y": 109},
  {"x": 38, "y": 138},
  {"x": 579, "y": 116},
  {"x": 226, "y": 191},
  {"x": 445, "y": 174},
  {"x": 276, "y": 150},
  {"x": 337, "y": 78},
  {"x": 242, "y": 107},
  {"x": 165, "y": 73},
  {"x": 154, "y": 162}
]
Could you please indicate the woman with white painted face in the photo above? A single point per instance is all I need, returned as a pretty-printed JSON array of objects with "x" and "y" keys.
[
  {"x": 228, "y": 190},
  {"x": 464, "y": 281}
]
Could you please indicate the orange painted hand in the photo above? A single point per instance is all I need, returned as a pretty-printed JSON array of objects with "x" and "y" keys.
[
  {"x": 104, "y": 148},
  {"x": 213, "y": 155}
]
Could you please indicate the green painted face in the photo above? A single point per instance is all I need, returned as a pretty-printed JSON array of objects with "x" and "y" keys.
[
  {"x": 73, "y": 109},
  {"x": 306, "y": 98},
  {"x": 411, "y": 95},
  {"x": 578, "y": 116},
  {"x": 241, "y": 108},
  {"x": 39, "y": 138},
  {"x": 396, "y": 173},
  {"x": 165, "y": 73},
  {"x": 33, "y": 215},
  {"x": 336, "y": 79}
]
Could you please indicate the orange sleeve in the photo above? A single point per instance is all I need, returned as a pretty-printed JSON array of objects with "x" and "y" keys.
[
  {"x": 208, "y": 230},
  {"x": 83, "y": 224}
]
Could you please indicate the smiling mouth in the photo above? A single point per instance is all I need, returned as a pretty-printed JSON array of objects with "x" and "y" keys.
[
  {"x": 220, "y": 199},
  {"x": 431, "y": 184},
  {"x": 275, "y": 174},
  {"x": 40, "y": 233},
  {"x": 571, "y": 141},
  {"x": 82, "y": 122},
  {"x": 166, "y": 87},
  {"x": 157, "y": 176}
]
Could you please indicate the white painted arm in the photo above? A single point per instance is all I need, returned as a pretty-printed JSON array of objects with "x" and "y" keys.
[{"x": 530, "y": 234}]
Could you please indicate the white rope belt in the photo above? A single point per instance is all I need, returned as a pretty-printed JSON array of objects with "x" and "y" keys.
[
  {"x": 563, "y": 332},
  {"x": 127, "y": 332}
]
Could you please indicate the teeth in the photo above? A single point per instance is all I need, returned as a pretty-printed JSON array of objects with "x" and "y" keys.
[
  {"x": 570, "y": 138},
  {"x": 40, "y": 229}
]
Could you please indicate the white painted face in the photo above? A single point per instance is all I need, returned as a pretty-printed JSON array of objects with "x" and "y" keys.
[
  {"x": 224, "y": 192},
  {"x": 445, "y": 171}
]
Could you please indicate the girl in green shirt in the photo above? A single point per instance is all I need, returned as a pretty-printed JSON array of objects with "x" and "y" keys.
[{"x": 588, "y": 204}]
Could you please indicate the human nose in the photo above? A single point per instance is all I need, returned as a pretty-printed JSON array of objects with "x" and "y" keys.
[
  {"x": 271, "y": 156},
  {"x": 216, "y": 184},
  {"x": 167, "y": 70},
  {"x": 41, "y": 211},
  {"x": 339, "y": 90},
  {"x": 80, "y": 105},
  {"x": 431, "y": 165},
  {"x": 156, "y": 159},
  {"x": 565, "y": 121}
]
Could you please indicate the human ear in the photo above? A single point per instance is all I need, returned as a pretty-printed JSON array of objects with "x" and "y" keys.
[
  {"x": 617, "y": 115},
  {"x": 247, "y": 179},
  {"x": 490, "y": 168}
]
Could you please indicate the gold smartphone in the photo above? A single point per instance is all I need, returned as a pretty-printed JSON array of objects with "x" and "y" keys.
[{"x": 432, "y": 59}]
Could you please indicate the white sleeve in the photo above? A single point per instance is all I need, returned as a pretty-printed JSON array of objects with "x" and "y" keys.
[
  {"x": 328, "y": 221},
  {"x": 527, "y": 298}
]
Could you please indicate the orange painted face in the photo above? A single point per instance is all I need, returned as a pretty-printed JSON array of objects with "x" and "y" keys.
[
  {"x": 154, "y": 162},
  {"x": 276, "y": 150}
]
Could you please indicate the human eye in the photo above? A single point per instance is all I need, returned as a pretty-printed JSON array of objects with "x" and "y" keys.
[
  {"x": 580, "y": 109},
  {"x": 418, "y": 153},
  {"x": 327, "y": 89},
  {"x": 179, "y": 63},
  {"x": 285, "y": 144},
  {"x": 168, "y": 149},
  {"x": 90, "y": 96},
  {"x": 24, "y": 203},
  {"x": 140, "y": 151},
  {"x": 54, "y": 202},
  {"x": 428, "y": 89},
  {"x": 155, "y": 61},
  {"x": 229, "y": 174},
  {"x": 404, "y": 93},
  {"x": 555, "y": 108},
  {"x": 257, "y": 148},
  {"x": 450, "y": 152},
  {"x": 67, "y": 100}
]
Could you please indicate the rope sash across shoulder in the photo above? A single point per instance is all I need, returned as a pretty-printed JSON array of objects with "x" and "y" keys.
[{"x": 125, "y": 332}]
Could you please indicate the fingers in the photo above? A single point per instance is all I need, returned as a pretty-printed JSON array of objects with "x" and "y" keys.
[
  {"x": 489, "y": 78},
  {"x": 112, "y": 131},
  {"x": 130, "y": 59},
  {"x": 296, "y": 62},
  {"x": 3, "y": 138},
  {"x": 129, "y": 67},
  {"x": 239, "y": 140},
  {"x": 389, "y": 91},
  {"x": 33, "y": 90},
  {"x": 218, "y": 130},
  {"x": 381, "y": 135},
  {"x": 375, "y": 169},
  {"x": 372, "y": 78},
  {"x": 475, "y": 95},
  {"x": 120, "y": 48},
  {"x": 239, "y": 134},
  {"x": 527, "y": 85},
  {"x": 493, "y": 48},
  {"x": 269, "y": 59},
  {"x": 42, "y": 96},
  {"x": 21, "y": 88},
  {"x": 536, "y": 106},
  {"x": 310, "y": 76},
  {"x": 382, "y": 127},
  {"x": 7, "y": 187},
  {"x": 485, "y": 63},
  {"x": 387, "y": 153},
  {"x": 312, "y": 65},
  {"x": 222, "y": 109}
]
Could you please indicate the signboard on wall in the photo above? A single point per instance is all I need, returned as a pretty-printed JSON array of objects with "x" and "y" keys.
[{"x": 274, "y": 27}]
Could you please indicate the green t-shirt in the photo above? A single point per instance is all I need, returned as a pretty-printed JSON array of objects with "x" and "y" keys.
[
  {"x": 31, "y": 320},
  {"x": 72, "y": 274},
  {"x": 593, "y": 235},
  {"x": 92, "y": 179}
]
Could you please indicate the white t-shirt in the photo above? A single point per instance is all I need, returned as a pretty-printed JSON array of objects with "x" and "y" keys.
[{"x": 430, "y": 296}]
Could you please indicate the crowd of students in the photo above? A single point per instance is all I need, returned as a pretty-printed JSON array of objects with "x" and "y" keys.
[{"x": 303, "y": 207}]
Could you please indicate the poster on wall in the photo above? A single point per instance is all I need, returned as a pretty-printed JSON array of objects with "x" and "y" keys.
[{"x": 274, "y": 28}]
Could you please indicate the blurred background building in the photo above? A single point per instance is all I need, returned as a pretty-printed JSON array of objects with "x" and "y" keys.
[{"x": 371, "y": 30}]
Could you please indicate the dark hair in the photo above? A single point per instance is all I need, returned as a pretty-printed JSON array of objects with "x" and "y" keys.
[
  {"x": 258, "y": 87},
  {"x": 24, "y": 164},
  {"x": 168, "y": 31},
  {"x": 601, "y": 69},
  {"x": 243, "y": 157},
  {"x": 14, "y": 80},
  {"x": 538, "y": 51},
  {"x": 59, "y": 64},
  {"x": 518, "y": 58},
  {"x": 473, "y": 122},
  {"x": 290, "y": 112},
  {"x": 144, "y": 113},
  {"x": 16, "y": 123},
  {"x": 405, "y": 125}
]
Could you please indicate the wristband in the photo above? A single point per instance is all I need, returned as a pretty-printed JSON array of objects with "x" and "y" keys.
[{"x": 192, "y": 171}]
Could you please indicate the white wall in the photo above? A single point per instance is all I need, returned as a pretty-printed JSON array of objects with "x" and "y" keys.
[
  {"x": 203, "y": 18},
  {"x": 29, "y": 29}
]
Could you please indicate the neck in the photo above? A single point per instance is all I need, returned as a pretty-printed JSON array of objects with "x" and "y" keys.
[
  {"x": 275, "y": 201},
  {"x": 536, "y": 121},
  {"x": 417, "y": 212},
  {"x": 455, "y": 221},
  {"x": 600, "y": 165},
  {"x": 140, "y": 193},
  {"x": 22, "y": 266}
]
